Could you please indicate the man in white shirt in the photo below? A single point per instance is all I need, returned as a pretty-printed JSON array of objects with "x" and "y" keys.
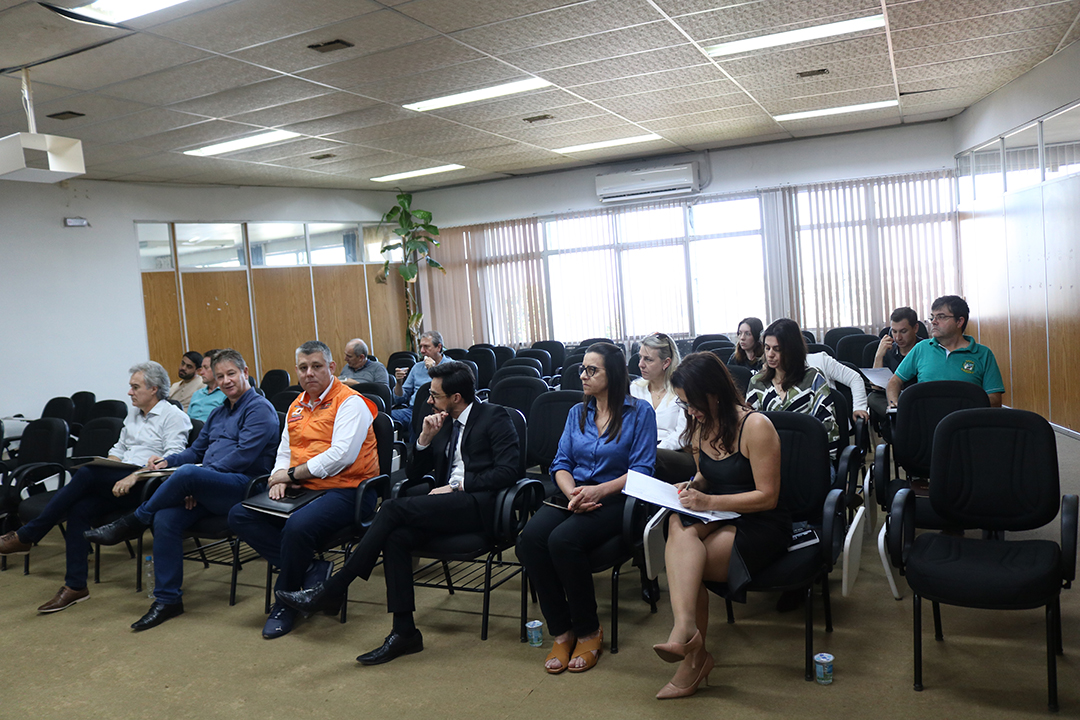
[
  {"x": 190, "y": 379},
  {"x": 153, "y": 427}
]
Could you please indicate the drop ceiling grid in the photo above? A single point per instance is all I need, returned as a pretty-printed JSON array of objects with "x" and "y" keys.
[
  {"x": 462, "y": 77},
  {"x": 334, "y": 103},
  {"x": 32, "y": 33},
  {"x": 972, "y": 28},
  {"x": 398, "y": 62},
  {"x": 124, "y": 59},
  {"x": 138, "y": 125},
  {"x": 516, "y": 107},
  {"x": 249, "y": 98},
  {"x": 1043, "y": 40},
  {"x": 189, "y": 81},
  {"x": 769, "y": 17},
  {"x": 931, "y": 12},
  {"x": 451, "y": 16}
]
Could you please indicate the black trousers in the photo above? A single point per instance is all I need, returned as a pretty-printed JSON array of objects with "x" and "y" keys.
[
  {"x": 554, "y": 548},
  {"x": 400, "y": 526}
]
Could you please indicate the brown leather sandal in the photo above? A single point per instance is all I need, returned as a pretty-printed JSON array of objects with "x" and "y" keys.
[
  {"x": 589, "y": 651},
  {"x": 561, "y": 652}
]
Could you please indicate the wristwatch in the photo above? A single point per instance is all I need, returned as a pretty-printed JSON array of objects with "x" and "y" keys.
[{"x": 292, "y": 474}]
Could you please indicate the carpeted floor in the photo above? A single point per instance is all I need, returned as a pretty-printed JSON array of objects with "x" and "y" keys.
[{"x": 212, "y": 662}]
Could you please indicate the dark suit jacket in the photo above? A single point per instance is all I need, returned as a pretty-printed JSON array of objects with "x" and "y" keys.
[{"x": 489, "y": 448}]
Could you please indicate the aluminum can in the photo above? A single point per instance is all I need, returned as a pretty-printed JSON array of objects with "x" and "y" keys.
[
  {"x": 534, "y": 630},
  {"x": 823, "y": 665}
]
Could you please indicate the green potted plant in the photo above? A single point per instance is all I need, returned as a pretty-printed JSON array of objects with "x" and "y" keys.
[{"x": 415, "y": 235}]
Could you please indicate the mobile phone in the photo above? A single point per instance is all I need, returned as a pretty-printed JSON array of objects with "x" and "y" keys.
[{"x": 558, "y": 501}]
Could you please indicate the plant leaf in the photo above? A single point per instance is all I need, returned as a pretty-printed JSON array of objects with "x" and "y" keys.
[
  {"x": 430, "y": 228},
  {"x": 422, "y": 215},
  {"x": 404, "y": 200},
  {"x": 435, "y": 264},
  {"x": 391, "y": 214},
  {"x": 388, "y": 248},
  {"x": 407, "y": 271}
]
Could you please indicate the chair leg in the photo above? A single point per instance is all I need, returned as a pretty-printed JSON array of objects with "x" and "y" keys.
[
  {"x": 917, "y": 625},
  {"x": 138, "y": 565},
  {"x": 3, "y": 563},
  {"x": 26, "y": 564},
  {"x": 810, "y": 632},
  {"x": 131, "y": 550},
  {"x": 937, "y": 622},
  {"x": 269, "y": 580},
  {"x": 1052, "y": 620},
  {"x": 1057, "y": 624},
  {"x": 825, "y": 602},
  {"x": 487, "y": 596},
  {"x": 524, "y": 602},
  {"x": 614, "y": 610},
  {"x": 446, "y": 573},
  {"x": 202, "y": 553},
  {"x": 730, "y": 612},
  {"x": 235, "y": 543},
  {"x": 97, "y": 563}
]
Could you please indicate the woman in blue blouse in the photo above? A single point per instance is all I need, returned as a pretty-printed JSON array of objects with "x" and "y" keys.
[{"x": 605, "y": 437}]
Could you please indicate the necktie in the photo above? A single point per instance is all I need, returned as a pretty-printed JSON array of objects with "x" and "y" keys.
[{"x": 450, "y": 448}]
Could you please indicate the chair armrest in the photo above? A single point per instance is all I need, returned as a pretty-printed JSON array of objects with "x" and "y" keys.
[
  {"x": 636, "y": 514},
  {"x": 900, "y": 531},
  {"x": 33, "y": 473},
  {"x": 833, "y": 526},
  {"x": 513, "y": 508},
  {"x": 255, "y": 486},
  {"x": 403, "y": 487},
  {"x": 862, "y": 435},
  {"x": 848, "y": 471},
  {"x": 882, "y": 463},
  {"x": 482, "y": 395},
  {"x": 1068, "y": 538},
  {"x": 380, "y": 485}
]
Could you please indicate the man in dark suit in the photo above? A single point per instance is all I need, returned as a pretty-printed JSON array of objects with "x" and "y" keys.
[{"x": 471, "y": 450}]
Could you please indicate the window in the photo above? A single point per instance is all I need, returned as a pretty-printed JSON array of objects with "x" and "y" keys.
[
  {"x": 986, "y": 167},
  {"x": 1061, "y": 139},
  {"x": 277, "y": 244},
  {"x": 210, "y": 245},
  {"x": 1022, "y": 167},
  {"x": 727, "y": 269},
  {"x": 334, "y": 243},
  {"x": 155, "y": 246}
]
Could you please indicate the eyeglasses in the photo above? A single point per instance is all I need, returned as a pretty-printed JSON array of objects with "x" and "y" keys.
[
  {"x": 589, "y": 370},
  {"x": 940, "y": 317},
  {"x": 682, "y": 404},
  {"x": 436, "y": 395}
]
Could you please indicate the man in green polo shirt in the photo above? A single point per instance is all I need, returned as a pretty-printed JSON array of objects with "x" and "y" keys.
[{"x": 949, "y": 354}]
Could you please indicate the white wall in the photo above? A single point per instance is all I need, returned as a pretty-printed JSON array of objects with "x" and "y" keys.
[
  {"x": 72, "y": 297},
  {"x": 886, "y": 151}
]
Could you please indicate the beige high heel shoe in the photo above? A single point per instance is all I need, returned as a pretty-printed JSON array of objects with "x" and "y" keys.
[
  {"x": 674, "y": 652},
  {"x": 671, "y": 690}
]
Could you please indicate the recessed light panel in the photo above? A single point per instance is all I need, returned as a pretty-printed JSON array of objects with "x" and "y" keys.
[
  {"x": 478, "y": 95},
  {"x": 117, "y": 11},
  {"x": 417, "y": 173},
  {"x": 836, "y": 110},
  {"x": 243, "y": 143},
  {"x": 794, "y": 36},
  {"x": 608, "y": 143}
]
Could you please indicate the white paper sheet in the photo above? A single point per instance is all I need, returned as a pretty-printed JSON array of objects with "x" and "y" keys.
[
  {"x": 660, "y": 493},
  {"x": 878, "y": 377}
]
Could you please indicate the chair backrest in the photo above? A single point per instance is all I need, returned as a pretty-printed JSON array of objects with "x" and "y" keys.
[
  {"x": 741, "y": 376},
  {"x": 584, "y": 344},
  {"x": 109, "y": 408},
  {"x": 920, "y": 331},
  {"x": 995, "y": 469},
  {"x": 60, "y": 407},
  {"x": 543, "y": 356},
  {"x": 197, "y": 426},
  {"x": 280, "y": 422},
  {"x": 724, "y": 352},
  {"x": 850, "y": 347},
  {"x": 485, "y": 365},
  {"x": 714, "y": 337},
  {"x": 284, "y": 399},
  {"x": 97, "y": 437},
  {"x": 547, "y": 420},
  {"x": 84, "y": 402},
  {"x": 518, "y": 393},
  {"x": 400, "y": 359},
  {"x": 713, "y": 345},
  {"x": 519, "y": 361},
  {"x": 176, "y": 403},
  {"x": 571, "y": 377},
  {"x": 868, "y": 354},
  {"x": 274, "y": 381},
  {"x": 555, "y": 348},
  {"x": 685, "y": 345},
  {"x": 832, "y": 337},
  {"x": 370, "y": 388},
  {"x": 43, "y": 440},
  {"x": 574, "y": 357},
  {"x": 633, "y": 365},
  {"x": 818, "y": 347},
  {"x": 472, "y": 366},
  {"x": 502, "y": 354},
  {"x": 456, "y": 353},
  {"x": 420, "y": 408},
  {"x": 809, "y": 336},
  {"x": 514, "y": 371},
  {"x": 377, "y": 399},
  {"x": 522, "y": 428},
  {"x": 383, "y": 427},
  {"x": 919, "y": 410},
  {"x": 804, "y": 464}
]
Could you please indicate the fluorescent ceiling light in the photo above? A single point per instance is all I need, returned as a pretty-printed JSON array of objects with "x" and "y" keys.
[
  {"x": 836, "y": 110},
  {"x": 608, "y": 143},
  {"x": 478, "y": 95},
  {"x": 117, "y": 11},
  {"x": 243, "y": 143},
  {"x": 793, "y": 36},
  {"x": 417, "y": 173}
]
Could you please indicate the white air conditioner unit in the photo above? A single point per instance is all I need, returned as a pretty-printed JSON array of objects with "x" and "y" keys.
[{"x": 647, "y": 183}]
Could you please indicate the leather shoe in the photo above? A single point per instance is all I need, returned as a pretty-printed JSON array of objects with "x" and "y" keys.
[
  {"x": 128, "y": 527},
  {"x": 280, "y": 622},
  {"x": 158, "y": 613},
  {"x": 10, "y": 544},
  {"x": 318, "y": 572},
  {"x": 311, "y": 600},
  {"x": 64, "y": 598},
  {"x": 393, "y": 647}
]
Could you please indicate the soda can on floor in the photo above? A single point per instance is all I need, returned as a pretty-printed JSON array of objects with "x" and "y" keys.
[
  {"x": 823, "y": 664},
  {"x": 534, "y": 630}
]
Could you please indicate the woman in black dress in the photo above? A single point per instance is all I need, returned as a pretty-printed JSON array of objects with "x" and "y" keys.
[{"x": 738, "y": 458}]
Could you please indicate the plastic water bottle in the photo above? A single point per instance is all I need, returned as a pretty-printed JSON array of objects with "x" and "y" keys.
[{"x": 148, "y": 583}]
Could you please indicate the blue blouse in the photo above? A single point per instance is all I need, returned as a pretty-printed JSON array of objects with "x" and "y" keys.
[{"x": 592, "y": 460}]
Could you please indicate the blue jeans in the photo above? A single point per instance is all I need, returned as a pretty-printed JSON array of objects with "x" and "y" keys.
[
  {"x": 215, "y": 494},
  {"x": 289, "y": 545},
  {"x": 83, "y": 499},
  {"x": 403, "y": 415}
]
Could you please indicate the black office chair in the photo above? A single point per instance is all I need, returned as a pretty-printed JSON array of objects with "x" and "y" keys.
[
  {"x": 920, "y": 331},
  {"x": 518, "y": 393},
  {"x": 379, "y": 404},
  {"x": 275, "y": 381},
  {"x": 83, "y": 402},
  {"x": 741, "y": 376},
  {"x": 513, "y": 508},
  {"x": 554, "y": 348},
  {"x": 807, "y": 492},
  {"x": 724, "y": 352},
  {"x": 456, "y": 353},
  {"x": 283, "y": 400},
  {"x": 832, "y": 337},
  {"x": 547, "y": 366},
  {"x": 868, "y": 354},
  {"x": 809, "y": 336},
  {"x": 708, "y": 345},
  {"x": 573, "y": 357},
  {"x": 371, "y": 388},
  {"x": 994, "y": 471},
  {"x": 818, "y": 347},
  {"x": 502, "y": 354},
  {"x": 548, "y": 418},
  {"x": 485, "y": 365},
  {"x": 571, "y": 377},
  {"x": 420, "y": 410},
  {"x": 514, "y": 371},
  {"x": 850, "y": 347},
  {"x": 401, "y": 359},
  {"x": 700, "y": 340},
  {"x": 584, "y": 344},
  {"x": 685, "y": 345},
  {"x": 633, "y": 365},
  {"x": 109, "y": 408},
  {"x": 529, "y": 362}
]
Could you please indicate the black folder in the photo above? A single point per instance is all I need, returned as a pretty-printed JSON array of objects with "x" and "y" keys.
[{"x": 295, "y": 498}]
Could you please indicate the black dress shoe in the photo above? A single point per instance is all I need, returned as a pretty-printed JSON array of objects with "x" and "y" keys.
[
  {"x": 393, "y": 647},
  {"x": 128, "y": 527},
  {"x": 157, "y": 614},
  {"x": 310, "y": 600}
]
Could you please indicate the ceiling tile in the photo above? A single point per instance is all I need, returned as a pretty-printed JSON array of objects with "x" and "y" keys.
[
  {"x": 653, "y": 61},
  {"x": 751, "y": 19},
  {"x": 462, "y": 77},
  {"x": 663, "y": 126},
  {"x": 340, "y": 153},
  {"x": 871, "y": 84},
  {"x": 613, "y": 44},
  {"x": 400, "y": 62},
  {"x": 785, "y": 79},
  {"x": 95, "y": 108},
  {"x": 389, "y": 118},
  {"x": 978, "y": 27},
  {"x": 1020, "y": 61},
  {"x": 931, "y": 12},
  {"x": 192, "y": 136},
  {"x": 11, "y": 94},
  {"x": 127, "y": 58},
  {"x": 373, "y": 32},
  {"x": 539, "y": 133},
  {"x": 713, "y": 134},
  {"x": 256, "y": 96},
  {"x": 1043, "y": 40},
  {"x": 452, "y": 15},
  {"x": 516, "y": 106},
  {"x": 615, "y": 132},
  {"x": 31, "y": 34},
  {"x": 293, "y": 148},
  {"x": 516, "y": 123},
  {"x": 334, "y": 103},
  {"x": 442, "y": 142},
  {"x": 839, "y": 124},
  {"x": 662, "y": 80},
  {"x": 136, "y": 126},
  {"x": 831, "y": 100},
  {"x": 810, "y": 57},
  {"x": 185, "y": 82},
  {"x": 245, "y": 23}
]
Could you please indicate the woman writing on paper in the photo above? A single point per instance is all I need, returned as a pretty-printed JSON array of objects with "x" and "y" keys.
[{"x": 738, "y": 458}]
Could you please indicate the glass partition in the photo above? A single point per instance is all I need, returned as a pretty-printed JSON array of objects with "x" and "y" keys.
[
  {"x": 1061, "y": 139},
  {"x": 155, "y": 248},
  {"x": 277, "y": 244},
  {"x": 1022, "y": 167},
  {"x": 334, "y": 243},
  {"x": 210, "y": 245}
]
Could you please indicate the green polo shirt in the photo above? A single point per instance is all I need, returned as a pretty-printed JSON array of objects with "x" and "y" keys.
[{"x": 928, "y": 361}]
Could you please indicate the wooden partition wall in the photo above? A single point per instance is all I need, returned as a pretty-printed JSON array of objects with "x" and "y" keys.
[
  {"x": 218, "y": 312},
  {"x": 163, "y": 327},
  {"x": 284, "y": 315},
  {"x": 1021, "y": 261}
]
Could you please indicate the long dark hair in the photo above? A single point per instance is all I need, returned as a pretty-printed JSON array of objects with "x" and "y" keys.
[
  {"x": 700, "y": 375},
  {"x": 755, "y": 328},
  {"x": 618, "y": 387},
  {"x": 786, "y": 333}
]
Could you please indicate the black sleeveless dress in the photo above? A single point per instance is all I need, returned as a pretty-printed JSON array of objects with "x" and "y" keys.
[{"x": 760, "y": 537}]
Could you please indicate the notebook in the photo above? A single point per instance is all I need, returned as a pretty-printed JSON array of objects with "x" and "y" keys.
[{"x": 295, "y": 498}]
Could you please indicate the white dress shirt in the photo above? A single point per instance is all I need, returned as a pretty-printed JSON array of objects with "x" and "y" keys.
[
  {"x": 457, "y": 464},
  {"x": 836, "y": 372},
  {"x": 162, "y": 431},
  {"x": 670, "y": 418},
  {"x": 351, "y": 425}
]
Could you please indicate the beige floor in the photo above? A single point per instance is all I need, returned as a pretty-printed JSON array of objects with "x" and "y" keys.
[{"x": 212, "y": 662}]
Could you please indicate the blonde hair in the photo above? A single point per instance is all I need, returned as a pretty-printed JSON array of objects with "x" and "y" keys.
[{"x": 666, "y": 348}]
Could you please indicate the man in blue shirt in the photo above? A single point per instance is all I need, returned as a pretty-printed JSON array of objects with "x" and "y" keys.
[
  {"x": 209, "y": 397},
  {"x": 236, "y": 444},
  {"x": 949, "y": 354},
  {"x": 407, "y": 381}
]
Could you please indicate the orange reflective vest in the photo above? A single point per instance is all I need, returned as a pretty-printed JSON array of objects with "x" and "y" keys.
[{"x": 310, "y": 432}]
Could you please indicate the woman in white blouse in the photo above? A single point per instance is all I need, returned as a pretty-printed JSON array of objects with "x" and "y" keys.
[{"x": 659, "y": 358}]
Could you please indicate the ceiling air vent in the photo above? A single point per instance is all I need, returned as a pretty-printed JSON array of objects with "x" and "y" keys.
[
  {"x": 323, "y": 156},
  {"x": 812, "y": 73},
  {"x": 66, "y": 115},
  {"x": 330, "y": 46}
]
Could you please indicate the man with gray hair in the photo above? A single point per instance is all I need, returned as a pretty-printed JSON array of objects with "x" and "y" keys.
[
  {"x": 153, "y": 427},
  {"x": 359, "y": 368},
  {"x": 431, "y": 349}
]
